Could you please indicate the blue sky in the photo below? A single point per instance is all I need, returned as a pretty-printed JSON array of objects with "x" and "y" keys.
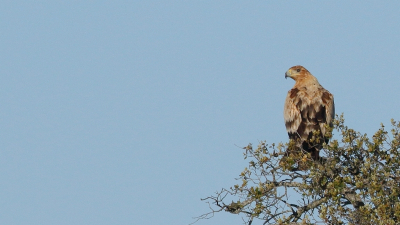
[{"x": 118, "y": 112}]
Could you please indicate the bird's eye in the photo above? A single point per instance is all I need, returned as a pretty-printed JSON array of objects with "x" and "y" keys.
[{"x": 298, "y": 70}]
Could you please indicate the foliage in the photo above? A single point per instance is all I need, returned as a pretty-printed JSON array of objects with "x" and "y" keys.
[{"x": 356, "y": 183}]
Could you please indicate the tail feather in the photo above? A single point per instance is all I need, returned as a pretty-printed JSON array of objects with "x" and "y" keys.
[{"x": 311, "y": 149}]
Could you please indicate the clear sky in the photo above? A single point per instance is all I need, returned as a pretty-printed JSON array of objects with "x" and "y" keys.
[{"x": 129, "y": 112}]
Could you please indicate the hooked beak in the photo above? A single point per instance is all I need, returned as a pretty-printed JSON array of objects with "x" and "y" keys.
[{"x": 287, "y": 74}]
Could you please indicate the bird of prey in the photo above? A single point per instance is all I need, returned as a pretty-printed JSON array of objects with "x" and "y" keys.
[{"x": 309, "y": 108}]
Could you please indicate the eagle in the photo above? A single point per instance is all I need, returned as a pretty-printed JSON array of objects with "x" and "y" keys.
[{"x": 309, "y": 109}]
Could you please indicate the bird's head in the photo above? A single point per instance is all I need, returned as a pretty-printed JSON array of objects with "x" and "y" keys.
[{"x": 296, "y": 71}]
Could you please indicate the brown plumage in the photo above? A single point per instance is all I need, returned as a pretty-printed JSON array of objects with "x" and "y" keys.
[{"x": 308, "y": 109}]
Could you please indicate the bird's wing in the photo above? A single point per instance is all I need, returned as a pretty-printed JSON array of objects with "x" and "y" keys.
[
  {"x": 291, "y": 112},
  {"x": 329, "y": 105}
]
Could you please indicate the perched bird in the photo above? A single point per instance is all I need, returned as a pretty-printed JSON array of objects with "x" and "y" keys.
[{"x": 308, "y": 109}]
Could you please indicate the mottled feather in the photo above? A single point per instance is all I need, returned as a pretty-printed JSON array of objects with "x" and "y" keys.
[{"x": 308, "y": 108}]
